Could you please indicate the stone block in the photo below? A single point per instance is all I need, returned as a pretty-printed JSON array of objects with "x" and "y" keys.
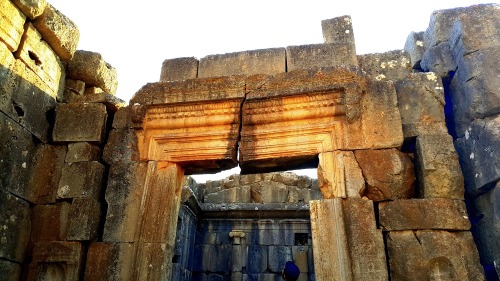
[
  {"x": 82, "y": 152},
  {"x": 50, "y": 222},
  {"x": 354, "y": 181},
  {"x": 268, "y": 192},
  {"x": 438, "y": 171},
  {"x": 80, "y": 122},
  {"x": 215, "y": 258},
  {"x": 300, "y": 258},
  {"x": 338, "y": 30},
  {"x": 56, "y": 261},
  {"x": 431, "y": 255},
  {"x": 179, "y": 69},
  {"x": 392, "y": 65},
  {"x": 58, "y": 31},
  {"x": 31, "y": 8},
  {"x": 265, "y": 61},
  {"x": 41, "y": 59},
  {"x": 278, "y": 256},
  {"x": 76, "y": 86},
  {"x": 233, "y": 195},
  {"x": 414, "y": 47},
  {"x": 479, "y": 153},
  {"x": 15, "y": 227},
  {"x": 124, "y": 195},
  {"x": 389, "y": 174},
  {"x": 421, "y": 104},
  {"x": 439, "y": 59},
  {"x": 320, "y": 55},
  {"x": 85, "y": 216},
  {"x": 415, "y": 214},
  {"x": 331, "y": 175},
  {"x": 122, "y": 118},
  {"x": 93, "y": 90},
  {"x": 312, "y": 194},
  {"x": 111, "y": 102},
  {"x": 287, "y": 178},
  {"x": 10, "y": 271},
  {"x": 485, "y": 212},
  {"x": 93, "y": 70},
  {"x": 17, "y": 151},
  {"x": 257, "y": 259},
  {"x": 47, "y": 169},
  {"x": 81, "y": 180},
  {"x": 440, "y": 26},
  {"x": 12, "y": 25},
  {"x": 110, "y": 261}
]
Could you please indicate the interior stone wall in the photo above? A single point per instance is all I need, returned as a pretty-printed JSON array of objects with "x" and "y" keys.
[{"x": 73, "y": 180}]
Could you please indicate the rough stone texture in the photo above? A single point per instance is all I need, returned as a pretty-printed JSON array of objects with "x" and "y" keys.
[
  {"x": 31, "y": 8},
  {"x": 124, "y": 194},
  {"x": 338, "y": 30},
  {"x": 438, "y": 171},
  {"x": 479, "y": 152},
  {"x": 73, "y": 88},
  {"x": 122, "y": 118},
  {"x": 392, "y": 65},
  {"x": 50, "y": 222},
  {"x": 47, "y": 169},
  {"x": 257, "y": 259},
  {"x": 109, "y": 261},
  {"x": 82, "y": 152},
  {"x": 414, "y": 47},
  {"x": 278, "y": 256},
  {"x": 440, "y": 26},
  {"x": 17, "y": 151},
  {"x": 268, "y": 192},
  {"x": 121, "y": 147},
  {"x": 15, "y": 227},
  {"x": 366, "y": 244},
  {"x": 265, "y": 61},
  {"x": 320, "y": 55},
  {"x": 179, "y": 69},
  {"x": 389, "y": 174},
  {"x": 56, "y": 261},
  {"x": 153, "y": 261},
  {"x": 85, "y": 219},
  {"x": 81, "y": 180},
  {"x": 80, "y": 122},
  {"x": 485, "y": 212},
  {"x": 331, "y": 175},
  {"x": 354, "y": 182},
  {"x": 111, "y": 102},
  {"x": 12, "y": 27},
  {"x": 415, "y": 214},
  {"x": 433, "y": 255},
  {"x": 41, "y": 59},
  {"x": 59, "y": 31},
  {"x": 236, "y": 194},
  {"x": 439, "y": 60},
  {"x": 93, "y": 70},
  {"x": 421, "y": 104},
  {"x": 10, "y": 271}
]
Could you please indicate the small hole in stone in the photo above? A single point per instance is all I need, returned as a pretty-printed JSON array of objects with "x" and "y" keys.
[
  {"x": 35, "y": 58},
  {"x": 176, "y": 259},
  {"x": 301, "y": 239},
  {"x": 19, "y": 110}
]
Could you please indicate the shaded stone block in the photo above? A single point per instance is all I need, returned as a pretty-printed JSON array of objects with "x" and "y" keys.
[
  {"x": 301, "y": 259},
  {"x": 15, "y": 227},
  {"x": 439, "y": 59},
  {"x": 179, "y": 69},
  {"x": 414, "y": 47},
  {"x": 110, "y": 261},
  {"x": 12, "y": 27},
  {"x": 233, "y": 195},
  {"x": 215, "y": 258},
  {"x": 320, "y": 55},
  {"x": 435, "y": 213},
  {"x": 47, "y": 169},
  {"x": 153, "y": 261},
  {"x": 438, "y": 171},
  {"x": 73, "y": 88},
  {"x": 79, "y": 122},
  {"x": 278, "y": 256},
  {"x": 268, "y": 192},
  {"x": 430, "y": 255},
  {"x": 85, "y": 216},
  {"x": 354, "y": 181},
  {"x": 82, "y": 152},
  {"x": 421, "y": 104},
  {"x": 389, "y": 174},
  {"x": 257, "y": 259},
  {"x": 42, "y": 60},
  {"x": 56, "y": 261},
  {"x": 392, "y": 65},
  {"x": 485, "y": 213},
  {"x": 58, "y": 31},
  {"x": 93, "y": 70},
  {"x": 121, "y": 147},
  {"x": 17, "y": 151},
  {"x": 479, "y": 152},
  {"x": 338, "y": 30},
  {"x": 440, "y": 25},
  {"x": 124, "y": 195},
  {"x": 10, "y": 271},
  {"x": 50, "y": 222},
  {"x": 31, "y": 8},
  {"x": 81, "y": 180},
  {"x": 265, "y": 61},
  {"x": 122, "y": 118}
]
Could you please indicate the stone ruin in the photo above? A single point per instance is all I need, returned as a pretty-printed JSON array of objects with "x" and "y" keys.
[{"x": 406, "y": 145}]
